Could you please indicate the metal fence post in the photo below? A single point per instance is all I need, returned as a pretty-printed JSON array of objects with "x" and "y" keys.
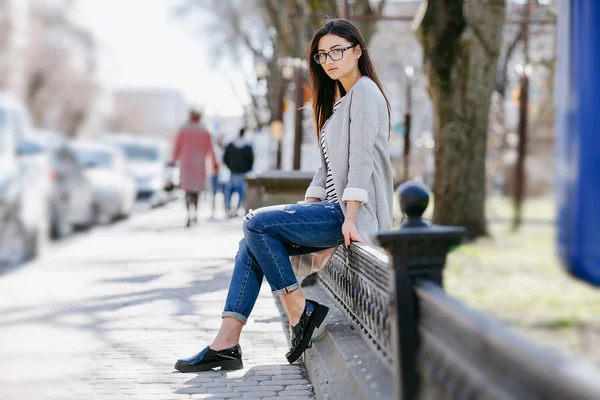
[{"x": 418, "y": 251}]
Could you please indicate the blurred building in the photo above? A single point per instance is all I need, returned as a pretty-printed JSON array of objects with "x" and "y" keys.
[
  {"x": 13, "y": 45},
  {"x": 149, "y": 112}
]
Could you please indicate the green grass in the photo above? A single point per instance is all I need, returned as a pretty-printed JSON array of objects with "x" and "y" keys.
[{"x": 517, "y": 277}]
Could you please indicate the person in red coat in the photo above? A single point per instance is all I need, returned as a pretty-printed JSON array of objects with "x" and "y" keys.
[{"x": 194, "y": 151}]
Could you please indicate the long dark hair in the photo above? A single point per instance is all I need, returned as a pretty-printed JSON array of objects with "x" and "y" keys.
[{"x": 323, "y": 88}]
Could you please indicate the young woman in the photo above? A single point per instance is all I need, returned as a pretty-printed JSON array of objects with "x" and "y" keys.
[{"x": 349, "y": 199}]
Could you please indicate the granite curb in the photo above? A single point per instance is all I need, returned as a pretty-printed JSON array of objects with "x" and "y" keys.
[{"x": 339, "y": 363}]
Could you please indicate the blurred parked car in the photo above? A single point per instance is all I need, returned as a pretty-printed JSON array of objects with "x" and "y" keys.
[
  {"x": 114, "y": 187},
  {"x": 71, "y": 193},
  {"x": 24, "y": 186},
  {"x": 148, "y": 161}
]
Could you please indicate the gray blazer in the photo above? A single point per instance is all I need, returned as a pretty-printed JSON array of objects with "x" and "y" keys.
[{"x": 356, "y": 138}]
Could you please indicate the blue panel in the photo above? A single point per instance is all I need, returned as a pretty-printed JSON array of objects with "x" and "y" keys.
[{"x": 578, "y": 144}]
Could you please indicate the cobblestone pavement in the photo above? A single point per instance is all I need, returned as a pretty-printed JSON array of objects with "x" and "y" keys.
[{"x": 105, "y": 314}]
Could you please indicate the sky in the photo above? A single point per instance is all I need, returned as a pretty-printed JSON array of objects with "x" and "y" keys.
[{"x": 145, "y": 46}]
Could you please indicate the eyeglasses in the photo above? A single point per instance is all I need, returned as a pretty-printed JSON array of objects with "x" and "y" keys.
[{"x": 335, "y": 55}]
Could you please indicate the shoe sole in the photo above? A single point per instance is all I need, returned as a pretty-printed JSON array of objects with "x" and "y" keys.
[
  {"x": 318, "y": 319},
  {"x": 226, "y": 365}
]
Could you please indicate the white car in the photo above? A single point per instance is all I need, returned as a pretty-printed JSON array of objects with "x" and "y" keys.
[
  {"x": 114, "y": 186},
  {"x": 148, "y": 161},
  {"x": 24, "y": 186}
]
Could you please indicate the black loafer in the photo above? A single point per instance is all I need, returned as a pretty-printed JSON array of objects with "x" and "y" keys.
[
  {"x": 228, "y": 359},
  {"x": 300, "y": 335}
]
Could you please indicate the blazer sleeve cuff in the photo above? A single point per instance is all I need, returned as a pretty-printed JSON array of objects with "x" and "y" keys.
[
  {"x": 355, "y": 194},
  {"x": 315, "y": 191}
]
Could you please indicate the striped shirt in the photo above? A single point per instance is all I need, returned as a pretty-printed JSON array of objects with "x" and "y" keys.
[{"x": 331, "y": 197}]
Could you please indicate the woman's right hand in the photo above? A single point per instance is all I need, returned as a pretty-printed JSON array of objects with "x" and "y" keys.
[
  {"x": 312, "y": 200},
  {"x": 351, "y": 233}
]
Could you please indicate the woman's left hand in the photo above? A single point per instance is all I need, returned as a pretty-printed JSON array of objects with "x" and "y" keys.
[{"x": 350, "y": 233}]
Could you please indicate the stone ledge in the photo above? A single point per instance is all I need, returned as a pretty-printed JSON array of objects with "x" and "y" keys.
[{"x": 339, "y": 363}]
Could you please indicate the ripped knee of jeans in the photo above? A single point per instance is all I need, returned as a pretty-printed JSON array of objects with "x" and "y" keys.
[
  {"x": 247, "y": 222},
  {"x": 249, "y": 216}
]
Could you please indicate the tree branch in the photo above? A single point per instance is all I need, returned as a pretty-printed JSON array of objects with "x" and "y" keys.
[
  {"x": 271, "y": 7},
  {"x": 237, "y": 29},
  {"x": 502, "y": 75}
]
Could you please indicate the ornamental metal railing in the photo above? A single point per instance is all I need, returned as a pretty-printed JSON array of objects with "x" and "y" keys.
[{"x": 435, "y": 347}]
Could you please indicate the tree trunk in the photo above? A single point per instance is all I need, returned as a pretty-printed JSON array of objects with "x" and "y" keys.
[{"x": 461, "y": 42}]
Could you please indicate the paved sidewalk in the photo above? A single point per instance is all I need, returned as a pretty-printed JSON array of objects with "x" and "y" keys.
[{"x": 105, "y": 315}]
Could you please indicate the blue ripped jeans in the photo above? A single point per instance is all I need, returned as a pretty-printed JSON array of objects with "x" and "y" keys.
[{"x": 271, "y": 235}]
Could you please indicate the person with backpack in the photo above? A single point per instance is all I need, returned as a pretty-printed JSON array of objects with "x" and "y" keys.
[{"x": 239, "y": 158}]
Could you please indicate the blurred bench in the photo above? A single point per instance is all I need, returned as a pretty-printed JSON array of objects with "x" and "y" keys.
[{"x": 276, "y": 187}]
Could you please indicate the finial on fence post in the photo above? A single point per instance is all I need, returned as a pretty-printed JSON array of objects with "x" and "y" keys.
[
  {"x": 414, "y": 199},
  {"x": 418, "y": 251}
]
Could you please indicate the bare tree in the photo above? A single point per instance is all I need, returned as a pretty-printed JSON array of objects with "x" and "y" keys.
[
  {"x": 268, "y": 30},
  {"x": 461, "y": 43},
  {"x": 60, "y": 83}
]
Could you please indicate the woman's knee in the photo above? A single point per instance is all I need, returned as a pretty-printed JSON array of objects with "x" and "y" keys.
[
  {"x": 251, "y": 222},
  {"x": 255, "y": 222}
]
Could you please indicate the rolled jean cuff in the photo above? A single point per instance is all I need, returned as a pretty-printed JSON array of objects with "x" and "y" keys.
[
  {"x": 235, "y": 315},
  {"x": 286, "y": 289}
]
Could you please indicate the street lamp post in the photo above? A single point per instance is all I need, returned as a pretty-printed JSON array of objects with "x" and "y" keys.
[
  {"x": 524, "y": 71},
  {"x": 286, "y": 73},
  {"x": 519, "y": 188},
  {"x": 299, "y": 94},
  {"x": 409, "y": 71},
  {"x": 257, "y": 107},
  {"x": 291, "y": 68},
  {"x": 277, "y": 124}
]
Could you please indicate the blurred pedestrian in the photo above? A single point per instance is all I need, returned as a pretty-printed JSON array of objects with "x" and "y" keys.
[
  {"x": 193, "y": 150},
  {"x": 220, "y": 178},
  {"x": 349, "y": 199},
  {"x": 239, "y": 158}
]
